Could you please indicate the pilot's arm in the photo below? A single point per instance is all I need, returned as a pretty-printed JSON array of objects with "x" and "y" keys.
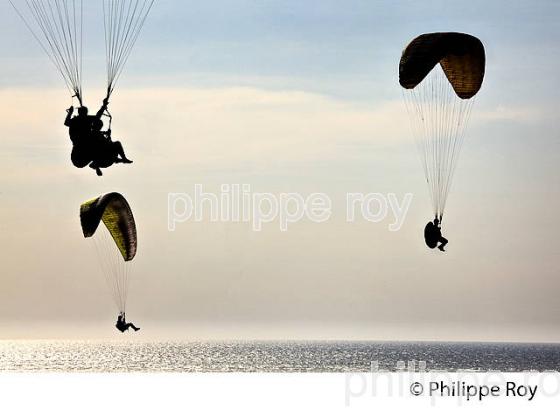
[
  {"x": 103, "y": 108},
  {"x": 69, "y": 112}
]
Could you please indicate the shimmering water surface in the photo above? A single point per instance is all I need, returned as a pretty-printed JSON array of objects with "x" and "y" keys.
[{"x": 101, "y": 356}]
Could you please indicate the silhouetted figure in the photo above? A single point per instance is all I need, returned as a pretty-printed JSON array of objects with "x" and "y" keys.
[
  {"x": 105, "y": 151},
  {"x": 432, "y": 235},
  {"x": 122, "y": 325},
  {"x": 80, "y": 128}
]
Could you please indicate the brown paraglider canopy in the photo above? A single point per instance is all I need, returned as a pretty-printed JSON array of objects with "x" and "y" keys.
[{"x": 461, "y": 57}]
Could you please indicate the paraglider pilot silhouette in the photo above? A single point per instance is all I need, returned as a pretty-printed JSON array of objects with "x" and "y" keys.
[
  {"x": 432, "y": 235},
  {"x": 91, "y": 145},
  {"x": 122, "y": 325},
  {"x": 58, "y": 28},
  {"x": 108, "y": 221},
  {"x": 440, "y": 73}
]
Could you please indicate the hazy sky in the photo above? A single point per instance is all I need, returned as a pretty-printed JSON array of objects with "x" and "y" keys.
[{"x": 287, "y": 96}]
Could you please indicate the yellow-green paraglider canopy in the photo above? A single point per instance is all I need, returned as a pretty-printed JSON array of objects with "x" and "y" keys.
[{"x": 114, "y": 211}]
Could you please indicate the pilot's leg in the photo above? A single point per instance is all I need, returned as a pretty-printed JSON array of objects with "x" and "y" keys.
[
  {"x": 119, "y": 150},
  {"x": 95, "y": 166}
]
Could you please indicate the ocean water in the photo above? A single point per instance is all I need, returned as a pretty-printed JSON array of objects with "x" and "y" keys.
[{"x": 101, "y": 356}]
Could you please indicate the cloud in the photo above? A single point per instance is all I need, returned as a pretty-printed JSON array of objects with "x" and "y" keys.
[
  {"x": 229, "y": 127},
  {"x": 518, "y": 114},
  {"x": 222, "y": 125},
  {"x": 226, "y": 126}
]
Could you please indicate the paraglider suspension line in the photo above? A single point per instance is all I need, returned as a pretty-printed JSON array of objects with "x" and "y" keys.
[
  {"x": 108, "y": 114},
  {"x": 79, "y": 97}
]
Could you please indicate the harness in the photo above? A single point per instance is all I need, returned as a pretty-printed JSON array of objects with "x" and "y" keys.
[{"x": 107, "y": 114}]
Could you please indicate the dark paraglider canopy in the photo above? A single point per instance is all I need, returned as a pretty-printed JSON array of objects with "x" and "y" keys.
[
  {"x": 461, "y": 57},
  {"x": 440, "y": 74},
  {"x": 113, "y": 210}
]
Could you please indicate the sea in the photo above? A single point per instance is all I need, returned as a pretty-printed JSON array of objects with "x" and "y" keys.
[{"x": 274, "y": 356}]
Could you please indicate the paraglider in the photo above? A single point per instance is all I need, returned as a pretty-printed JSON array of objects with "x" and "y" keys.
[
  {"x": 122, "y": 325},
  {"x": 91, "y": 145},
  {"x": 440, "y": 74},
  {"x": 433, "y": 237},
  {"x": 108, "y": 152},
  {"x": 57, "y": 27},
  {"x": 115, "y": 243}
]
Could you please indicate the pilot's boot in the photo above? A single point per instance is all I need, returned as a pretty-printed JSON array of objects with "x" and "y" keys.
[{"x": 94, "y": 166}]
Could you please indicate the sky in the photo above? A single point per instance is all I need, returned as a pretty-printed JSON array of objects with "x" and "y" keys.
[{"x": 287, "y": 97}]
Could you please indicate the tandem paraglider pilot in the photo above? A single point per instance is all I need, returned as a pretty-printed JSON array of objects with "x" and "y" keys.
[
  {"x": 58, "y": 27},
  {"x": 91, "y": 146},
  {"x": 122, "y": 325},
  {"x": 433, "y": 237}
]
